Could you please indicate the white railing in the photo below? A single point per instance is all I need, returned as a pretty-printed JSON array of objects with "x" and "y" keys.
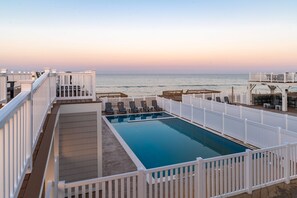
[
  {"x": 284, "y": 121},
  {"x": 20, "y": 125},
  {"x": 237, "y": 97},
  {"x": 3, "y": 86},
  {"x": 22, "y": 119},
  {"x": 214, "y": 177},
  {"x": 18, "y": 76},
  {"x": 287, "y": 77},
  {"x": 76, "y": 85}
]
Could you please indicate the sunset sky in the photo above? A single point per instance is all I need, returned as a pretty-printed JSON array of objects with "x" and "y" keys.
[{"x": 150, "y": 36}]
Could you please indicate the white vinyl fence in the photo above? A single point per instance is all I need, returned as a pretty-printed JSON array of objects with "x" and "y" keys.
[
  {"x": 20, "y": 125},
  {"x": 214, "y": 177},
  {"x": 21, "y": 122},
  {"x": 3, "y": 85},
  {"x": 76, "y": 85},
  {"x": 283, "y": 121}
]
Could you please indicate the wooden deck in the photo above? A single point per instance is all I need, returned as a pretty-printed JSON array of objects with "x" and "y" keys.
[
  {"x": 32, "y": 184},
  {"x": 78, "y": 153}
]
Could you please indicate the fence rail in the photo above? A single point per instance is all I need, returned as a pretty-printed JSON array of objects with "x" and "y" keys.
[
  {"x": 3, "y": 87},
  {"x": 214, "y": 177},
  {"x": 287, "y": 77},
  {"x": 284, "y": 121},
  {"x": 76, "y": 85},
  {"x": 21, "y": 123}
]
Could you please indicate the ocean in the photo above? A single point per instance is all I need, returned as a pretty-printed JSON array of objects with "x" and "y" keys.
[{"x": 154, "y": 84}]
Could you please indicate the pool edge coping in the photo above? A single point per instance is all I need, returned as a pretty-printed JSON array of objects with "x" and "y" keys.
[{"x": 126, "y": 147}]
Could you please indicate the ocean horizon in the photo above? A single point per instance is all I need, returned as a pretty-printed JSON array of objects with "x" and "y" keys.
[{"x": 154, "y": 84}]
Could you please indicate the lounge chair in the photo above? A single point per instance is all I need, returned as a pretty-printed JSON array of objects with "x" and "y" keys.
[
  {"x": 108, "y": 108},
  {"x": 209, "y": 98},
  {"x": 226, "y": 100},
  {"x": 144, "y": 106},
  {"x": 218, "y": 99},
  {"x": 156, "y": 106},
  {"x": 133, "y": 108},
  {"x": 122, "y": 109}
]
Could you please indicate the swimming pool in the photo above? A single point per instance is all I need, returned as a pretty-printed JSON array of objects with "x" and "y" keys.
[{"x": 161, "y": 139}]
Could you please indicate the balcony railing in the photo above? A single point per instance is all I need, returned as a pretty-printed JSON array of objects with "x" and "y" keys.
[
  {"x": 21, "y": 122},
  {"x": 287, "y": 77}
]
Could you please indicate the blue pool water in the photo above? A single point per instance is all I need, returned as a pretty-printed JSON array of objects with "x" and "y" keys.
[{"x": 162, "y": 142}]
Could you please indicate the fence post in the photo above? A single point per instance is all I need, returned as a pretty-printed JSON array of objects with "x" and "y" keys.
[
  {"x": 261, "y": 112},
  {"x": 192, "y": 112},
  {"x": 3, "y": 75},
  {"x": 27, "y": 85},
  {"x": 286, "y": 120},
  {"x": 279, "y": 135},
  {"x": 94, "y": 85},
  {"x": 56, "y": 190},
  {"x": 180, "y": 109},
  {"x": 199, "y": 179},
  {"x": 141, "y": 181},
  {"x": 248, "y": 171},
  {"x": 225, "y": 108},
  {"x": 170, "y": 104},
  {"x": 211, "y": 105},
  {"x": 204, "y": 117},
  {"x": 245, "y": 131},
  {"x": 61, "y": 189},
  {"x": 223, "y": 123},
  {"x": 287, "y": 164}
]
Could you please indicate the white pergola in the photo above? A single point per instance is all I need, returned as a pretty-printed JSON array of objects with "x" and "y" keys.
[{"x": 282, "y": 81}]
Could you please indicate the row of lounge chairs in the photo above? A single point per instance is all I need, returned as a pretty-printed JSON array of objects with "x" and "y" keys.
[{"x": 133, "y": 109}]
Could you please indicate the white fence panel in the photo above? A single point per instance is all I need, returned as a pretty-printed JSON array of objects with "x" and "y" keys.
[
  {"x": 186, "y": 111},
  {"x": 262, "y": 135},
  {"x": 233, "y": 110},
  {"x": 267, "y": 166},
  {"x": 274, "y": 119},
  {"x": 186, "y": 99},
  {"x": 172, "y": 181},
  {"x": 3, "y": 88},
  {"x": 292, "y": 123},
  {"x": 251, "y": 114},
  {"x": 198, "y": 115},
  {"x": 167, "y": 105},
  {"x": 214, "y": 120},
  {"x": 206, "y": 104},
  {"x": 76, "y": 85},
  {"x": 288, "y": 136},
  {"x": 234, "y": 127},
  {"x": 293, "y": 161},
  {"x": 123, "y": 185},
  {"x": 41, "y": 103},
  {"x": 15, "y": 143},
  {"x": 218, "y": 107},
  {"x": 224, "y": 175},
  {"x": 175, "y": 107},
  {"x": 196, "y": 102}
]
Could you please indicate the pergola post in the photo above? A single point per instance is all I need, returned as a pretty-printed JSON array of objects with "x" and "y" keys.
[{"x": 284, "y": 99}]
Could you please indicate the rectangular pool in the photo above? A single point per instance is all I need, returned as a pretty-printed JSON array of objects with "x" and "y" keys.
[{"x": 160, "y": 139}]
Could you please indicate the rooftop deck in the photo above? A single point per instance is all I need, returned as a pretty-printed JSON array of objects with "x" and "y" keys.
[
  {"x": 29, "y": 144},
  {"x": 286, "y": 77}
]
